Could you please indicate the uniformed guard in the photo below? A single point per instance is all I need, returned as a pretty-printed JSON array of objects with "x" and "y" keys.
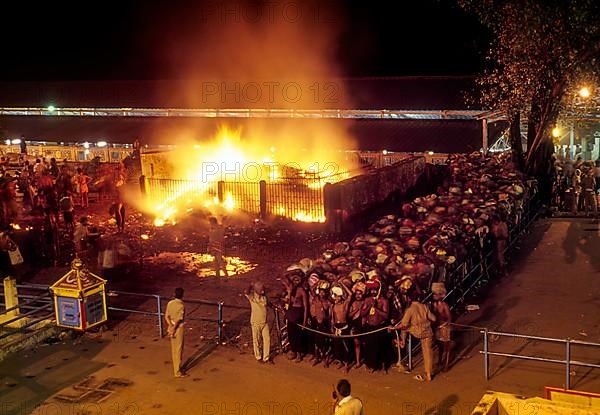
[{"x": 174, "y": 317}]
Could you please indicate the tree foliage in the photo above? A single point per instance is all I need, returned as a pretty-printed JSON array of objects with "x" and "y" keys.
[{"x": 540, "y": 51}]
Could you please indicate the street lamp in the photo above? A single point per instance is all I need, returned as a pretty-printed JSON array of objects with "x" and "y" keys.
[
  {"x": 555, "y": 132},
  {"x": 51, "y": 108},
  {"x": 584, "y": 92}
]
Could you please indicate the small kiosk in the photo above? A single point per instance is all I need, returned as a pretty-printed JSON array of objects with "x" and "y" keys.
[{"x": 79, "y": 298}]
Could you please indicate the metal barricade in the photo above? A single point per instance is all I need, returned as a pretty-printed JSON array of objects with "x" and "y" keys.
[
  {"x": 151, "y": 305},
  {"x": 567, "y": 361},
  {"x": 38, "y": 307}
]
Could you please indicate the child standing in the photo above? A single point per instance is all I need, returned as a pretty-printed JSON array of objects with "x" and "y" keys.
[{"x": 83, "y": 180}]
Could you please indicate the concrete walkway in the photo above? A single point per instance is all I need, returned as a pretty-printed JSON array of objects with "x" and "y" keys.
[{"x": 554, "y": 290}]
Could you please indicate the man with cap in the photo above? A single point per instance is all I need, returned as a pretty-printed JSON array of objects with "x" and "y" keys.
[
  {"x": 356, "y": 319},
  {"x": 340, "y": 308},
  {"x": 258, "y": 322},
  {"x": 443, "y": 316},
  {"x": 320, "y": 318},
  {"x": 417, "y": 320},
  {"x": 174, "y": 316},
  {"x": 375, "y": 312}
]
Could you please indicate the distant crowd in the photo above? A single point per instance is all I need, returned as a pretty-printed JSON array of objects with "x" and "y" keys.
[
  {"x": 47, "y": 195},
  {"x": 576, "y": 185}
]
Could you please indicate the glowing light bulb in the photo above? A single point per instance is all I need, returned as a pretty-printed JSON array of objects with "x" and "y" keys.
[{"x": 584, "y": 92}]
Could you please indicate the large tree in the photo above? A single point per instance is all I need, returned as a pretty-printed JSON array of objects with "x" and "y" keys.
[{"x": 540, "y": 51}]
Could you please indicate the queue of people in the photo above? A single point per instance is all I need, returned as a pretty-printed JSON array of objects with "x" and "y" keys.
[{"x": 345, "y": 306}]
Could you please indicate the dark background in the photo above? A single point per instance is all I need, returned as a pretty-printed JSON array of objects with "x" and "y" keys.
[{"x": 126, "y": 39}]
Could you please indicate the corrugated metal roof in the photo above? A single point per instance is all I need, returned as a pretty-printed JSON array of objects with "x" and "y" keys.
[{"x": 393, "y": 135}]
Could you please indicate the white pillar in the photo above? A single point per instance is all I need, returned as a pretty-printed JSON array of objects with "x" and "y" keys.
[
  {"x": 572, "y": 143},
  {"x": 596, "y": 150}
]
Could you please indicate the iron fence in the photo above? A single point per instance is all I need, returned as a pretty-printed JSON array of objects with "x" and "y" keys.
[
  {"x": 298, "y": 199},
  {"x": 38, "y": 307},
  {"x": 307, "y": 198},
  {"x": 244, "y": 196},
  {"x": 150, "y": 305},
  {"x": 161, "y": 191},
  {"x": 567, "y": 344}
]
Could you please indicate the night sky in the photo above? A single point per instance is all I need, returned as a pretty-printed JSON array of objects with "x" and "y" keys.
[{"x": 126, "y": 39}]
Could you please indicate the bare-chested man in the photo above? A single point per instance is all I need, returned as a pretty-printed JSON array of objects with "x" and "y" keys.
[
  {"x": 375, "y": 311},
  {"x": 356, "y": 319},
  {"x": 340, "y": 308},
  {"x": 296, "y": 313},
  {"x": 320, "y": 314}
]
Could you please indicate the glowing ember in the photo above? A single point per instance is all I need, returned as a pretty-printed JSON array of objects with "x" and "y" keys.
[
  {"x": 308, "y": 217},
  {"x": 144, "y": 237},
  {"x": 229, "y": 204},
  {"x": 200, "y": 264},
  {"x": 159, "y": 222},
  {"x": 15, "y": 226}
]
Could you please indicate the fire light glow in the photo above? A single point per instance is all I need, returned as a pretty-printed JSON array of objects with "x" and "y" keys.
[
  {"x": 201, "y": 264},
  {"x": 199, "y": 169}
]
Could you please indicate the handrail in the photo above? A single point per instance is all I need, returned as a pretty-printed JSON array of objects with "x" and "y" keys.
[
  {"x": 568, "y": 362},
  {"x": 29, "y": 324},
  {"x": 32, "y": 300},
  {"x": 27, "y": 314}
]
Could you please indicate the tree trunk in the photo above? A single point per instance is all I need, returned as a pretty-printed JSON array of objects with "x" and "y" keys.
[
  {"x": 533, "y": 121},
  {"x": 514, "y": 135}
]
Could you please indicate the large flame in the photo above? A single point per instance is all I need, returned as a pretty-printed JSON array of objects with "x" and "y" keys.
[{"x": 197, "y": 169}]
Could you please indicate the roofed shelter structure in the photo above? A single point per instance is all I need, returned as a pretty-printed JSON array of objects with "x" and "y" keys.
[{"x": 409, "y": 114}]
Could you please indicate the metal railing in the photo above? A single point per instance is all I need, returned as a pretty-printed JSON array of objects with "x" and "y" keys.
[
  {"x": 39, "y": 308},
  {"x": 152, "y": 307},
  {"x": 567, "y": 361}
]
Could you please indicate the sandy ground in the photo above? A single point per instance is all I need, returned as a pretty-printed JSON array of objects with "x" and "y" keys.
[{"x": 553, "y": 290}]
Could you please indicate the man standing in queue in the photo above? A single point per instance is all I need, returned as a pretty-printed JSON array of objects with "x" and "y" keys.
[
  {"x": 175, "y": 328},
  {"x": 375, "y": 312},
  {"x": 417, "y": 320}
]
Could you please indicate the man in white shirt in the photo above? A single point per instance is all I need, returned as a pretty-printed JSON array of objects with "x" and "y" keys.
[
  {"x": 344, "y": 403},
  {"x": 258, "y": 321},
  {"x": 174, "y": 316}
]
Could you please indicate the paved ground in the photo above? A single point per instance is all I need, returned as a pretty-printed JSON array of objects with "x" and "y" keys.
[{"x": 554, "y": 290}]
